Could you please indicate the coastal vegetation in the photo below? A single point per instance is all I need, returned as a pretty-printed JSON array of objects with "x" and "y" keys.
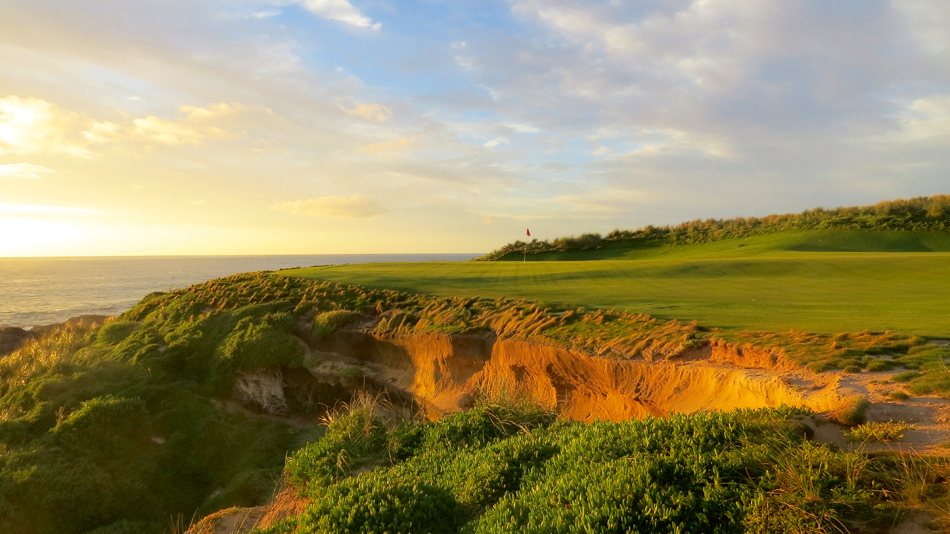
[
  {"x": 921, "y": 214},
  {"x": 511, "y": 468},
  {"x": 163, "y": 415},
  {"x": 121, "y": 425}
]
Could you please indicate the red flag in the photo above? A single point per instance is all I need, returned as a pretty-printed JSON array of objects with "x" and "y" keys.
[{"x": 529, "y": 232}]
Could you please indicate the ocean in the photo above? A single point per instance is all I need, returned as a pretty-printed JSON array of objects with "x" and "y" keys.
[{"x": 40, "y": 291}]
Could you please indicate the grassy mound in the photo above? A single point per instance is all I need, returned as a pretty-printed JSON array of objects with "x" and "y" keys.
[
  {"x": 500, "y": 469},
  {"x": 923, "y": 214},
  {"x": 117, "y": 425}
]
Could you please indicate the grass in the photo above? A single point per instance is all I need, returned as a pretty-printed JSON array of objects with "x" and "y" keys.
[
  {"x": 769, "y": 283},
  {"x": 80, "y": 408}
]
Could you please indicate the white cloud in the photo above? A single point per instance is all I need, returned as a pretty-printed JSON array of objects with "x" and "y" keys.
[
  {"x": 266, "y": 14},
  {"x": 673, "y": 141},
  {"x": 495, "y": 142},
  {"x": 340, "y": 10},
  {"x": 929, "y": 21},
  {"x": 713, "y": 45},
  {"x": 24, "y": 170},
  {"x": 924, "y": 118},
  {"x": 397, "y": 145},
  {"x": 32, "y": 125},
  {"x": 352, "y": 207},
  {"x": 370, "y": 112}
]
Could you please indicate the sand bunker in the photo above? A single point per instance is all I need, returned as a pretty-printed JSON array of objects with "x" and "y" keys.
[{"x": 444, "y": 373}]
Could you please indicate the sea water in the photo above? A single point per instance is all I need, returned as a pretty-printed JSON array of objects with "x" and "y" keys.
[{"x": 39, "y": 291}]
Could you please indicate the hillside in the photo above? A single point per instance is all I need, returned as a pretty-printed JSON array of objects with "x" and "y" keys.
[
  {"x": 191, "y": 402},
  {"x": 464, "y": 397},
  {"x": 888, "y": 221}
]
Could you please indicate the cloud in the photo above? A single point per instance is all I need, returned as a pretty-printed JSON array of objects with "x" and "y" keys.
[
  {"x": 398, "y": 145},
  {"x": 488, "y": 219},
  {"x": 265, "y": 14},
  {"x": 370, "y": 112},
  {"x": 340, "y": 10},
  {"x": 32, "y": 125},
  {"x": 670, "y": 141},
  {"x": 925, "y": 118},
  {"x": 495, "y": 142},
  {"x": 353, "y": 207},
  {"x": 23, "y": 170},
  {"x": 199, "y": 124},
  {"x": 929, "y": 20},
  {"x": 710, "y": 45}
]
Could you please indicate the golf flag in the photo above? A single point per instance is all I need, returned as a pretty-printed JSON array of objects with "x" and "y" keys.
[{"x": 529, "y": 232}]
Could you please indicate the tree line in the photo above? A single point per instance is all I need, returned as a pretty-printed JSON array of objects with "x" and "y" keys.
[{"x": 920, "y": 214}]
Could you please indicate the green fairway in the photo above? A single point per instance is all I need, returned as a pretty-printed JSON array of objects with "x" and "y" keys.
[{"x": 775, "y": 282}]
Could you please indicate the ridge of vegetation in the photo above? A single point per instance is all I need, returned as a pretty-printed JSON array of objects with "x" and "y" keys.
[
  {"x": 920, "y": 214},
  {"x": 113, "y": 429}
]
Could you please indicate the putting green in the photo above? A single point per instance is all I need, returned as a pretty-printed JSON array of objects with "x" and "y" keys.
[{"x": 775, "y": 282}]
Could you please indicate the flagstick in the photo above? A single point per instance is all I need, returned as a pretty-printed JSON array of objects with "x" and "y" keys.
[{"x": 526, "y": 246}]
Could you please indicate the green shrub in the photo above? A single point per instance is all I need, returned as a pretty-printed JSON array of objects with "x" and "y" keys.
[
  {"x": 326, "y": 323},
  {"x": 353, "y": 439},
  {"x": 852, "y": 369},
  {"x": 852, "y": 411},
  {"x": 872, "y": 432},
  {"x": 928, "y": 383},
  {"x": 877, "y": 366},
  {"x": 898, "y": 395},
  {"x": 845, "y": 364},
  {"x": 906, "y": 376},
  {"x": 821, "y": 367},
  {"x": 255, "y": 345},
  {"x": 361, "y": 506},
  {"x": 115, "y": 331}
]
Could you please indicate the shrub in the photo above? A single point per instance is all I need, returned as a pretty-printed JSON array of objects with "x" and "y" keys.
[
  {"x": 821, "y": 367},
  {"x": 361, "y": 506},
  {"x": 906, "y": 376},
  {"x": 852, "y": 369},
  {"x": 326, "y": 323},
  {"x": 935, "y": 382},
  {"x": 852, "y": 411},
  {"x": 254, "y": 345},
  {"x": 115, "y": 331},
  {"x": 898, "y": 395},
  {"x": 877, "y": 366},
  {"x": 871, "y": 432}
]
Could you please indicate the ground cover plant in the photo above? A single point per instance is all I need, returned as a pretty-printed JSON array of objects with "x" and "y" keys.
[
  {"x": 879, "y": 431},
  {"x": 512, "y": 468}
]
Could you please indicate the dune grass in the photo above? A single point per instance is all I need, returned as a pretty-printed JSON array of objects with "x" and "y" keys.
[{"x": 793, "y": 280}]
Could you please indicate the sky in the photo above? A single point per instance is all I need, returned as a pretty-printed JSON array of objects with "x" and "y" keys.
[{"x": 160, "y": 127}]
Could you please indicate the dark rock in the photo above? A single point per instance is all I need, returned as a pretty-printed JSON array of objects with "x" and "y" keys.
[{"x": 12, "y": 338}]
